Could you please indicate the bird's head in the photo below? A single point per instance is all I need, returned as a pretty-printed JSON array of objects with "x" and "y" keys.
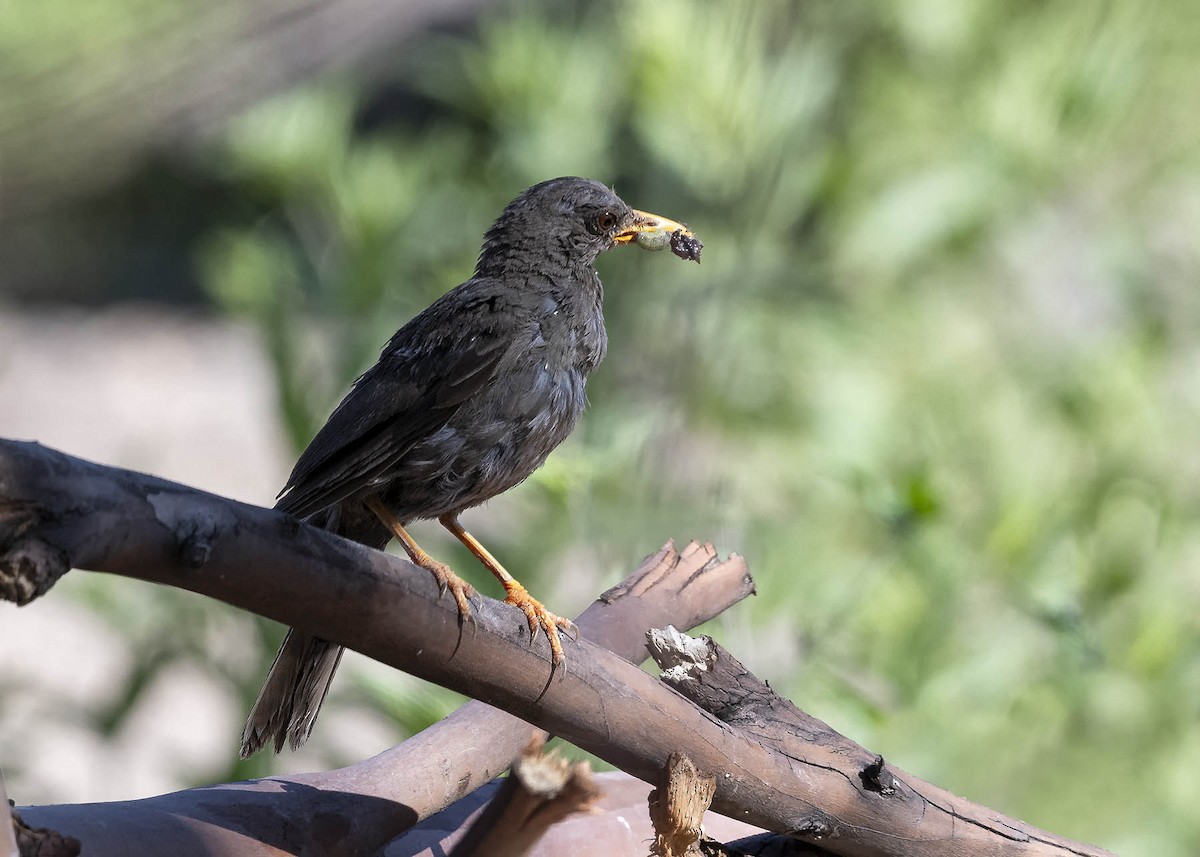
[{"x": 570, "y": 221}]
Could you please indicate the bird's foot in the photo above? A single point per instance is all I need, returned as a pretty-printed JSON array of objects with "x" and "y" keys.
[
  {"x": 450, "y": 582},
  {"x": 539, "y": 617}
]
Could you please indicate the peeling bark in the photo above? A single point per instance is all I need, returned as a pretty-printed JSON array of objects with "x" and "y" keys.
[
  {"x": 677, "y": 806},
  {"x": 862, "y": 799}
]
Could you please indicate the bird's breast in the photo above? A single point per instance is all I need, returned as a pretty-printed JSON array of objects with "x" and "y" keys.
[
  {"x": 569, "y": 333},
  {"x": 505, "y": 432}
]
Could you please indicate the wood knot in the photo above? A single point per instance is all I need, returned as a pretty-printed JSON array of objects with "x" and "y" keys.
[
  {"x": 875, "y": 778},
  {"x": 28, "y": 566},
  {"x": 195, "y": 548},
  {"x": 812, "y": 828}
]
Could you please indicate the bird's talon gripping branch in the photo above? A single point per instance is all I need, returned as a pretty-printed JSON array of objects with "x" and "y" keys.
[
  {"x": 448, "y": 581},
  {"x": 532, "y": 619},
  {"x": 539, "y": 618}
]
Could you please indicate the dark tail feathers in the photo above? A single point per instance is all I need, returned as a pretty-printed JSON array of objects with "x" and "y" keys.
[
  {"x": 291, "y": 696},
  {"x": 296, "y": 686}
]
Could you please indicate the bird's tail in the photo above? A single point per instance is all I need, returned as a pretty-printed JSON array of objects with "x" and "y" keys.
[
  {"x": 291, "y": 696},
  {"x": 298, "y": 680}
]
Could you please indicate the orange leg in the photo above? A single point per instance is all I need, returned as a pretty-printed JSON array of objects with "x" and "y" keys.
[
  {"x": 446, "y": 578},
  {"x": 537, "y": 615}
]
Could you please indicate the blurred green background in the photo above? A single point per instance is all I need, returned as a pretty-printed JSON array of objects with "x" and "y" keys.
[{"x": 938, "y": 376}]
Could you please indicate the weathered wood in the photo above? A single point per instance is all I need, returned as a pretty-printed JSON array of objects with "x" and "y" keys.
[
  {"x": 428, "y": 772},
  {"x": 377, "y": 799},
  {"x": 19, "y": 839},
  {"x": 677, "y": 806},
  {"x": 618, "y": 826},
  {"x": 542, "y": 789},
  {"x": 138, "y": 526},
  {"x": 858, "y": 789}
]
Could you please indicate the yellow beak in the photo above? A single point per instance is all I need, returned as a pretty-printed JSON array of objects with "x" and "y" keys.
[{"x": 650, "y": 230}]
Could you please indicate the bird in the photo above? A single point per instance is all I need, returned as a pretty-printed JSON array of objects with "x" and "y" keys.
[{"x": 467, "y": 400}]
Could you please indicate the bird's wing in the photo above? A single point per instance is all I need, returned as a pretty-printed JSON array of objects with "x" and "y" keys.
[{"x": 426, "y": 372}]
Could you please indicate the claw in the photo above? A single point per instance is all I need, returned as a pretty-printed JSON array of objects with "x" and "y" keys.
[
  {"x": 532, "y": 618},
  {"x": 568, "y": 627},
  {"x": 539, "y": 618},
  {"x": 450, "y": 582}
]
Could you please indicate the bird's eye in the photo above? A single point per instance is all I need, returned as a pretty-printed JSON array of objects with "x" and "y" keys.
[{"x": 604, "y": 221}]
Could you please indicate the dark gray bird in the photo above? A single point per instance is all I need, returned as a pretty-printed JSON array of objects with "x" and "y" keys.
[{"x": 466, "y": 401}]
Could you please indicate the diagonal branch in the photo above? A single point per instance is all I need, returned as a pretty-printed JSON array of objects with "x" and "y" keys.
[
  {"x": 428, "y": 772},
  {"x": 381, "y": 797},
  {"x": 139, "y": 526}
]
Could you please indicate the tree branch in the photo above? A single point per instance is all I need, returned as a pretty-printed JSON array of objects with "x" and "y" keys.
[
  {"x": 142, "y": 527},
  {"x": 863, "y": 789},
  {"x": 618, "y": 825},
  {"x": 542, "y": 789},
  {"x": 428, "y": 772},
  {"x": 381, "y": 797},
  {"x": 677, "y": 807},
  {"x": 20, "y": 839}
]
